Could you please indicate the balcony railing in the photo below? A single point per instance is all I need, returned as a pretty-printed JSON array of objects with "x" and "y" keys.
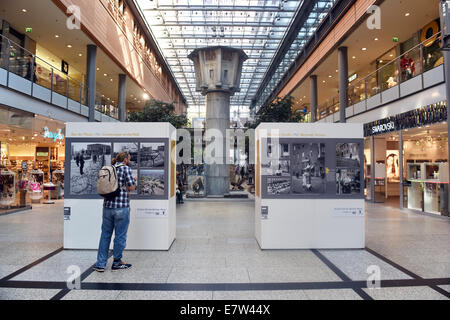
[
  {"x": 413, "y": 63},
  {"x": 21, "y": 62}
]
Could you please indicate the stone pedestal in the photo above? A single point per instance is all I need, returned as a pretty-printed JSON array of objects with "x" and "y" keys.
[{"x": 218, "y": 73}]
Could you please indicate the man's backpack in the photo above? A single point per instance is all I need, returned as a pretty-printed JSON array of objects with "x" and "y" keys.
[{"x": 108, "y": 182}]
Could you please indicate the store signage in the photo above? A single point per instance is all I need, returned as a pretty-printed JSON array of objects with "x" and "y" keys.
[
  {"x": 53, "y": 135},
  {"x": 353, "y": 77},
  {"x": 382, "y": 128},
  {"x": 431, "y": 114}
]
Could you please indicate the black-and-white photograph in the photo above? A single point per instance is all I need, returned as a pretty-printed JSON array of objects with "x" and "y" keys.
[
  {"x": 151, "y": 182},
  {"x": 152, "y": 155},
  {"x": 308, "y": 168},
  {"x": 277, "y": 186},
  {"x": 348, "y": 181},
  {"x": 87, "y": 159},
  {"x": 279, "y": 168},
  {"x": 195, "y": 186},
  {"x": 279, "y": 151},
  {"x": 132, "y": 148},
  {"x": 347, "y": 155}
]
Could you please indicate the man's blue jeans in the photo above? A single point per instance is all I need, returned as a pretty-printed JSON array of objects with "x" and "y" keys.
[{"x": 116, "y": 220}]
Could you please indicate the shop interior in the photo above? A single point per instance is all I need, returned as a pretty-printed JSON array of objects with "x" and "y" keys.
[
  {"x": 32, "y": 160},
  {"x": 425, "y": 168}
]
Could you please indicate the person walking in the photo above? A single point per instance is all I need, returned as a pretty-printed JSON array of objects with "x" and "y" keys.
[
  {"x": 116, "y": 217},
  {"x": 81, "y": 163}
]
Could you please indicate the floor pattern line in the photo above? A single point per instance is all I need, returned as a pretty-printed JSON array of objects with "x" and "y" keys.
[
  {"x": 406, "y": 271},
  {"x": 31, "y": 265},
  {"x": 341, "y": 274}
]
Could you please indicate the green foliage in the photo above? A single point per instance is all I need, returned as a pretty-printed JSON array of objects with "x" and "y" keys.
[
  {"x": 280, "y": 110},
  {"x": 159, "y": 111}
]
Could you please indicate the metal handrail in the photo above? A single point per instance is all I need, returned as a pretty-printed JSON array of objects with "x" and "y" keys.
[
  {"x": 394, "y": 60},
  {"x": 67, "y": 78}
]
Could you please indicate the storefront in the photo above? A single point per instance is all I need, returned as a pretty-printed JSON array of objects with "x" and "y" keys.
[
  {"x": 32, "y": 159},
  {"x": 406, "y": 160}
]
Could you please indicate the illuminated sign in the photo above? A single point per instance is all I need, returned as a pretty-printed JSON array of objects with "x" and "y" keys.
[
  {"x": 382, "y": 128},
  {"x": 53, "y": 135},
  {"x": 353, "y": 77}
]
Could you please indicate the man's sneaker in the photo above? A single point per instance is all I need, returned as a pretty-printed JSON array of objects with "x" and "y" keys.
[
  {"x": 98, "y": 269},
  {"x": 120, "y": 266}
]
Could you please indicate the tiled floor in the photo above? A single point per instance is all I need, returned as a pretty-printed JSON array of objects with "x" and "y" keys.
[{"x": 216, "y": 257}]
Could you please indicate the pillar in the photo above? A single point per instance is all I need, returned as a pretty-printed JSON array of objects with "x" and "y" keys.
[
  {"x": 445, "y": 27},
  {"x": 372, "y": 168},
  {"x": 400, "y": 166},
  {"x": 91, "y": 77},
  {"x": 122, "y": 97},
  {"x": 314, "y": 97},
  {"x": 343, "y": 82}
]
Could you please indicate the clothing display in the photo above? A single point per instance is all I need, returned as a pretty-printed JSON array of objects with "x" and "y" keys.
[
  {"x": 7, "y": 187},
  {"x": 36, "y": 183},
  {"x": 58, "y": 180}
]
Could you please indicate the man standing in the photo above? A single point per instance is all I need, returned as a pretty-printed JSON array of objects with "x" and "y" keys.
[
  {"x": 81, "y": 163},
  {"x": 116, "y": 217}
]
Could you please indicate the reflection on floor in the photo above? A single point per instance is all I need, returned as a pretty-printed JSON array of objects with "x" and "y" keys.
[{"x": 215, "y": 247}]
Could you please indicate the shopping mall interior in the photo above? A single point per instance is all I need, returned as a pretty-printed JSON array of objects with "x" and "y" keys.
[{"x": 379, "y": 64}]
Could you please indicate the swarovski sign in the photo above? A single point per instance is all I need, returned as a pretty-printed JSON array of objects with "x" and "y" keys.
[{"x": 382, "y": 128}]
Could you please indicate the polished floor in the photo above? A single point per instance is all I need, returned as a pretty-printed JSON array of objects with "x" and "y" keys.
[{"x": 216, "y": 256}]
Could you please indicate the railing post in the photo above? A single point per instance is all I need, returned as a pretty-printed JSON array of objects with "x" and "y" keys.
[
  {"x": 8, "y": 55},
  {"x": 422, "y": 65},
  {"x": 365, "y": 93},
  {"x": 51, "y": 87}
]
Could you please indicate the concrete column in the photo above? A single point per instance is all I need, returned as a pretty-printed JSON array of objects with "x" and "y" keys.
[
  {"x": 445, "y": 27},
  {"x": 372, "y": 168},
  {"x": 218, "y": 118},
  {"x": 122, "y": 97},
  {"x": 400, "y": 152},
  {"x": 343, "y": 82},
  {"x": 91, "y": 76},
  {"x": 314, "y": 97}
]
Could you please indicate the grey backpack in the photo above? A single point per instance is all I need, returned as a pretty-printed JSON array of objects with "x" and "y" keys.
[{"x": 108, "y": 182}]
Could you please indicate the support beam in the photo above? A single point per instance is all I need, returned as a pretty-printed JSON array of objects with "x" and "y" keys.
[
  {"x": 372, "y": 169},
  {"x": 91, "y": 76},
  {"x": 314, "y": 97},
  {"x": 343, "y": 82},
  {"x": 122, "y": 97}
]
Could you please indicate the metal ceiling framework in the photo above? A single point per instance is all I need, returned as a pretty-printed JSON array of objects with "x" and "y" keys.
[{"x": 259, "y": 27}]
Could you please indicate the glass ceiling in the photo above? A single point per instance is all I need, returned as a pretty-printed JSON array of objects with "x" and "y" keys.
[{"x": 256, "y": 26}]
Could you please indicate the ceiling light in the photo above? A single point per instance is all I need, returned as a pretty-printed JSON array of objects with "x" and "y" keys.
[
  {"x": 376, "y": 39},
  {"x": 56, "y": 35},
  {"x": 105, "y": 74},
  {"x": 80, "y": 54},
  {"x": 407, "y": 14},
  {"x": 353, "y": 57},
  {"x": 24, "y": 10},
  {"x": 145, "y": 96},
  {"x": 364, "y": 49},
  {"x": 69, "y": 46},
  {"x": 98, "y": 69},
  {"x": 330, "y": 76},
  {"x": 391, "y": 55}
]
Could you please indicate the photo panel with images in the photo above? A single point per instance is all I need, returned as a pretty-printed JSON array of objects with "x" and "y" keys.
[
  {"x": 308, "y": 168},
  {"x": 277, "y": 186},
  {"x": 134, "y": 173},
  {"x": 132, "y": 148},
  {"x": 87, "y": 158},
  {"x": 347, "y": 155},
  {"x": 151, "y": 182},
  {"x": 152, "y": 155},
  {"x": 348, "y": 181},
  {"x": 279, "y": 168}
]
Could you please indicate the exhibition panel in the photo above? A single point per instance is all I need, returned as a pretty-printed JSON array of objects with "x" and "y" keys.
[
  {"x": 91, "y": 147},
  {"x": 309, "y": 191}
]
